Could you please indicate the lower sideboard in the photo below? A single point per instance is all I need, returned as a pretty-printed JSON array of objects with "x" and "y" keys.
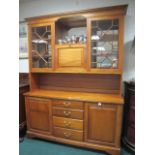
[{"x": 95, "y": 125}]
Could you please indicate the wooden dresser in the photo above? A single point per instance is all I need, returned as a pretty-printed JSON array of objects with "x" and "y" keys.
[{"x": 75, "y": 78}]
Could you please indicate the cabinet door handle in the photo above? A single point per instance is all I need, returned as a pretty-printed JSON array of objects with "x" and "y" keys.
[
  {"x": 67, "y": 135},
  {"x": 67, "y": 113},
  {"x": 67, "y": 104}
]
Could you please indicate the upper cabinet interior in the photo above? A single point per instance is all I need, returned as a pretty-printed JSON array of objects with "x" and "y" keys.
[{"x": 71, "y": 30}]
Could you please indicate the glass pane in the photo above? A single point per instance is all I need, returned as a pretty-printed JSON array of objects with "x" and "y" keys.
[
  {"x": 104, "y": 40},
  {"x": 41, "y": 47}
]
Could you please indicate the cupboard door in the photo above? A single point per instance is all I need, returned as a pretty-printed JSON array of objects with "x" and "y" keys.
[
  {"x": 70, "y": 58},
  {"x": 101, "y": 123},
  {"x": 38, "y": 114},
  {"x": 105, "y": 43},
  {"x": 41, "y": 52}
]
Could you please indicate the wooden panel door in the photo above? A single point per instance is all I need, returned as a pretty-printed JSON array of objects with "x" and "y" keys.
[
  {"x": 102, "y": 123},
  {"x": 38, "y": 114}
]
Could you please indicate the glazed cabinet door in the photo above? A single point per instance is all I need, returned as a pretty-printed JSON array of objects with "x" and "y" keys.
[
  {"x": 102, "y": 123},
  {"x": 38, "y": 114},
  {"x": 41, "y": 47},
  {"x": 105, "y": 44}
]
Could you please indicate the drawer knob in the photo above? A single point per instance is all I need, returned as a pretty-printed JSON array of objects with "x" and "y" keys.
[
  {"x": 67, "y": 135},
  {"x": 67, "y": 124},
  {"x": 67, "y": 104},
  {"x": 67, "y": 113},
  {"x": 99, "y": 104}
]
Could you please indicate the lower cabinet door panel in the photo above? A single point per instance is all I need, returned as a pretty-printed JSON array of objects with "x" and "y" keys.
[
  {"x": 38, "y": 114},
  {"x": 100, "y": 123},
  {"x": 68, "y": 134},
  {"x": 39, "y": 121}
]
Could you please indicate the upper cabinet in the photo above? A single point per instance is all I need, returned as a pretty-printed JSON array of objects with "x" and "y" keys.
[
  {"x": 41, "y": 50},
  {"x": 105, "y": 44},
  {"x": 84, "y": 42}
]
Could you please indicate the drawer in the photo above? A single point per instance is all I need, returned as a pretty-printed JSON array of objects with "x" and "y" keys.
[
  {"x": 67, "y": 123},
  {"x": 68, "y": 134},
  {"x": 64, "y": 112},
  {"x": 68, "y": 104}
]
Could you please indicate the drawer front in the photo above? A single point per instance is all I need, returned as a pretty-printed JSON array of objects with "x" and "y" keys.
[
  {"x": 64, "y": 112},
  {"x": 67, "y": 123},
  {"x": 68, "y": 134},
  {"x": 68, "y": 104}
]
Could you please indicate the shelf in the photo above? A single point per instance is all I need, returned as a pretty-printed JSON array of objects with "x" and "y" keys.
[
  {"x": 103, "y": 54},
  {"x": 72, "y": 22},
  {"x": 70, "y": 45},
  {"x": 80, "y": 96}
]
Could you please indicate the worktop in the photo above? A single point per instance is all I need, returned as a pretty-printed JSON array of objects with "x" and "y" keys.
[{"x": 80, "y": 96}]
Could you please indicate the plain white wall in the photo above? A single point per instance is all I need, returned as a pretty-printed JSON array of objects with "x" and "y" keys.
[
  {"x": 31, "y": 8},
  {"x": 23, "y": 66}
]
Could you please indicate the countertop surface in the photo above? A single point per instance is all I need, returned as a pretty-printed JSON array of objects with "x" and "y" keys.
[{"x": 79, "y": 96}]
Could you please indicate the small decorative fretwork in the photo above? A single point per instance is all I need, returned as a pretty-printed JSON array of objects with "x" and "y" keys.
[
  {"x": 41, "y": 47},
  {"x": 104, "y": 41}
]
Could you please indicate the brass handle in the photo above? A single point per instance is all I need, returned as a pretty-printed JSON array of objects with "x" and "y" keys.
[
  {"x": 67, "y": 135},
  {"x": 99, "y": 104},
  {"x": 67, "y": 104},
  {"x": 67, "y": 113},
  {"x": 67, "y": 124}
]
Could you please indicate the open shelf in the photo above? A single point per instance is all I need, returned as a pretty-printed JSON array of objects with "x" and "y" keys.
[{"x": 71, "y": 30}]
